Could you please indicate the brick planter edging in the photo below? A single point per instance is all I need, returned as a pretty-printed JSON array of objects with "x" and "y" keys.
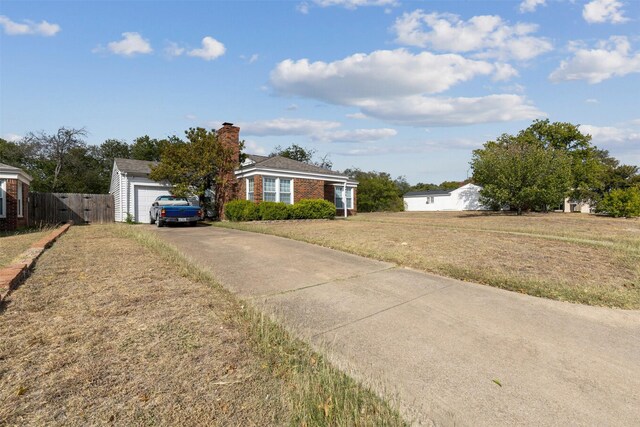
[{"x": 11, "y": 276}]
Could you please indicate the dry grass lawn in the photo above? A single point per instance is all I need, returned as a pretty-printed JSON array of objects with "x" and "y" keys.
[
  {"x": 13, "y": 244},
  {"x": 578, "y": 258},
  {"x": 114, "y": 328}
]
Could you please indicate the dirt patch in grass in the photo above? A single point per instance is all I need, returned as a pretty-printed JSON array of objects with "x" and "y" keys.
[
  {"x": 13, "y": 244},
  {"x": 113, "y": 328},
  {"x": 576, "y": 258}
]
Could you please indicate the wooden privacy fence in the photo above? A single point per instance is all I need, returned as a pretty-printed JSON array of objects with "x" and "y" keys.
[{"x": 54, "y": 208}]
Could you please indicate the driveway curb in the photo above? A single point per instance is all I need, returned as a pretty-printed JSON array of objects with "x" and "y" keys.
[{"x": 11, "y": 276}]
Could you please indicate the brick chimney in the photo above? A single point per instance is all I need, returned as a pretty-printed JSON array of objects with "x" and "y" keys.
[{"x": 229, "y": 136}]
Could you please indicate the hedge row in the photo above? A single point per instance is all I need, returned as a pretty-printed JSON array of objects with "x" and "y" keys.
[{"x": 245, "y": 210}]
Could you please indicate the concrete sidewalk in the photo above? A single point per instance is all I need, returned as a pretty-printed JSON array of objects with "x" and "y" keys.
[{"x": 451, "y": 352}]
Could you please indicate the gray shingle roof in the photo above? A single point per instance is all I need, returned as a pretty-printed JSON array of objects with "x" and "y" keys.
[
  {"x": 284, "y": 163},
  {"x": 427, "y": 193},
  {"x": 7, "y": 167},
  {"x": 142, "y": 167}
]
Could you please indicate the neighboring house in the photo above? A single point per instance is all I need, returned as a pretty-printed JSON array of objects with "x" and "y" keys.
[
  {"x": 279, "y": 179},
  {"x": 581, "y": 206},
  {"x": 133, "y": 191},
  {"x": 465, "y": 198},
  {"x": 259, "y": 178},
  {"x": 14, "y": 197}
]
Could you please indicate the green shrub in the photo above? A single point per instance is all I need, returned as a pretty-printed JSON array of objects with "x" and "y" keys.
[
  {"x": 621, "y": 202},
  {"x": 241, "y": 210},
  {"x": 313, "y": 209},
  {"x": 273, "y": 211}
]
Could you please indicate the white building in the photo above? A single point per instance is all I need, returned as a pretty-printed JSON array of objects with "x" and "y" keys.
[
  {"x": 465, "y": 198},
  {"x": 133, "y": 191}
]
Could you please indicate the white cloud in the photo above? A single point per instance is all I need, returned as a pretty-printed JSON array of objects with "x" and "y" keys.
[
  {"x": 284, "y": 126},
  {"x": 610, "y": 58},
  {"x": 606, "y": 135},
  {"x": 600, "y": 11},
  {"x": 12, "y": 137},
  {"x": 316, "y": 130},
  {"x": 356, "y": 135},
  {"x": 211, "y": 49},
  {"x": 486, "y": 36},
  {"x": 435, "y": 111},
  {"x": 303, "y": 8},
  {"x": 591, "y": 101},
  {"x": 381, "y": 74},
  {"x": 395, "y": 86},
  {"x": 253, "y": 148},
  {"x": 253, "y": 58},
  {"x": 173, "y": 49},
  {"x": 292, "y": 107},
  {"x": 357, "y": 116},
  {"x": 354, "y": 4},
  {"x": 130, "y": 45},
  {"x": 43, "y": 28},
  {"x": 531, "y": 5}
]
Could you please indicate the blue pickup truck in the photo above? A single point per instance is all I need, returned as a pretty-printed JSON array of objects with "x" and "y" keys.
[{"x": 170, "y": 209}]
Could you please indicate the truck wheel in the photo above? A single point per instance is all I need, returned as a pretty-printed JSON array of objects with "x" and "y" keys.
[
  {"x": 193, "y": 223},
  {"x": 151, "y": 220},
  {"x": 159, "y": 223}
]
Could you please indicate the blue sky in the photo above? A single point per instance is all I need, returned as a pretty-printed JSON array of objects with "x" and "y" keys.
[{"x": 410, "y": 88}]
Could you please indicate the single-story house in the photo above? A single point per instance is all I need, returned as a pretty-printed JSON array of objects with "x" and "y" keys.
[
  {"x": 280, "y": 179},
  {"x": 465, "y": 198},
  {"x": 14, "y": 197},
  {"x": 581, "y": 206},
  {"x": 258, "y": 178}
]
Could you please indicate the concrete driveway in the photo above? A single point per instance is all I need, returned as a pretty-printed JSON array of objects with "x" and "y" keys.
[{"x": 450, "y": 352}]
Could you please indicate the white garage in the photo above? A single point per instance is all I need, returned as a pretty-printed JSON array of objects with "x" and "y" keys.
[
  {"x": 465, "y": 198},
  {"x": 133, "y": 191},
  {"x": 144, "y": 196}
]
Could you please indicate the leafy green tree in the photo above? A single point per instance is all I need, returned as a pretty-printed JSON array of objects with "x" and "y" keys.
[
  {"x": 146, "y": 148},
  {"x": 587, "y": 168},
  {"x": 516, "y": 171},
  {"x": 402, "y": 185},
  {"x": 376, "y": 191},
  {"x": 451, "y": 185},
  {"x": 197, "y": 165},
  {"x": 621, "y": 202},
  {"x": 301, "y": 154}
]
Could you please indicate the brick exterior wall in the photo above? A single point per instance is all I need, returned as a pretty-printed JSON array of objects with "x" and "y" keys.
[
  {"x": 229, "y": 136},
  {"x": 307, "y": 189},
  {"x": 11, "y": 221}
]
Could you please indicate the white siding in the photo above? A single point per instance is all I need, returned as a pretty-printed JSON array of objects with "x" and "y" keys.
[
  {"x": 465, "y": 198},
  {"x": 116, "y": 184}
]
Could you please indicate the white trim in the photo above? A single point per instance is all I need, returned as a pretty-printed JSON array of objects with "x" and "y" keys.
[
  {"x": 3, "y": 200},
  {"x": 246, "y": 188},
  {"x": 243, "y": 173},
  {"x": 20, "y": 200}
]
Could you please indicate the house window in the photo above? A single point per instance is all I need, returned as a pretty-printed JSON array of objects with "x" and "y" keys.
[
  {"x": 20, "y": 199},
  {"x": 285, "y": 191},
  {"x": 3, "y": 198},
  {"x": 277, "y": 190},
  {"x": 429, "y": 200},
  {"x": 250, "y": 187},
  {"x": 269, "y": 189},
  {"x": 338, "y": 201}
]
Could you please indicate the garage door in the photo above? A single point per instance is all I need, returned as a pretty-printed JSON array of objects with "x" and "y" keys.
[{"x": 144, "y": 197}]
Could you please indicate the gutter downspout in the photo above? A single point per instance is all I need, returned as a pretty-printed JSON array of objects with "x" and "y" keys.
[
  {"x": 122, "y": 215},
  {"x": 344, "y": 198}
]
